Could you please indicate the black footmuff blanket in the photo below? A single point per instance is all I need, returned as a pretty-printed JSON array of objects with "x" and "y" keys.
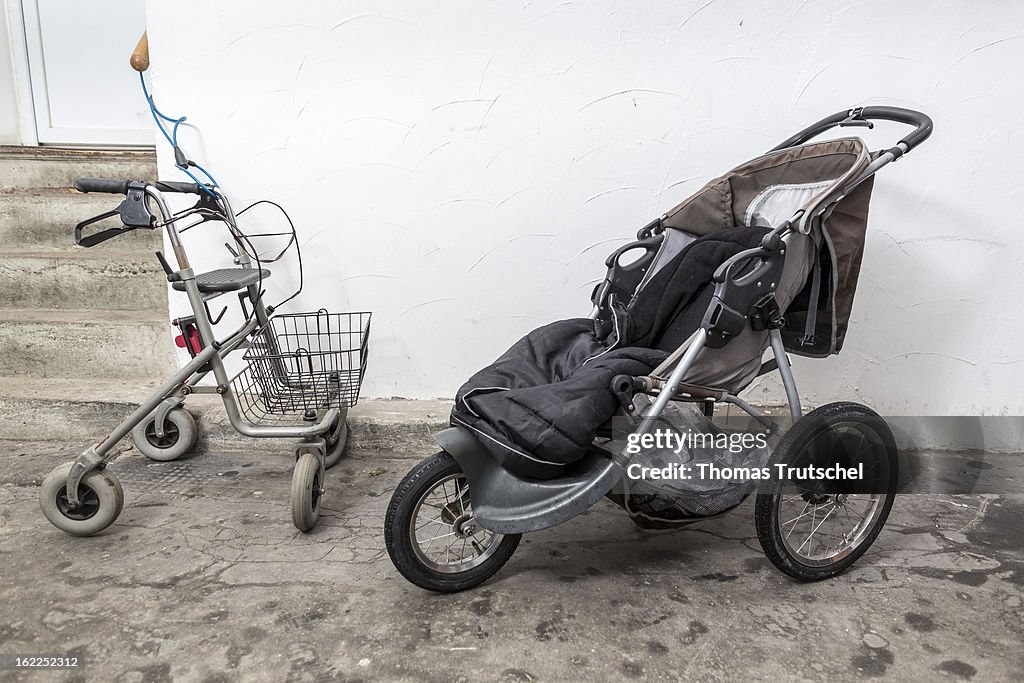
[{"x": 539, "y": 406}]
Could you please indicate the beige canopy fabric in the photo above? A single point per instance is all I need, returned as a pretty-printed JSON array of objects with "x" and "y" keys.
[{"x": 805, "y": 184}]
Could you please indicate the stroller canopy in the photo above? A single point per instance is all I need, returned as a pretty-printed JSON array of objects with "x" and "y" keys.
[{"x": 804, "y": 184}]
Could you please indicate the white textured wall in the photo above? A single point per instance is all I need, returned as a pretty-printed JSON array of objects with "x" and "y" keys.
[{"x": 463, "y": 168}]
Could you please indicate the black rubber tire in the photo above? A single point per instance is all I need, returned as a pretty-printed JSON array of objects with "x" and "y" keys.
[
  {"x": 397, "y": 538},
  {"x": 792, "y": 444},
  {"x": 180, "y": 433},
  {"x": 99, "y": 491},
  {"x": 307, "y": 491}
]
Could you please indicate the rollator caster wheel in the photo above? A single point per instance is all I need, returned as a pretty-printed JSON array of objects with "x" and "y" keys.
[
  {"x": 431, "y": 535},
  {"x": 815, "y": 529},
  {"x": 100, "y": 501},
  {"x": 307, "y": 491},
  {"x": 180, "y": 434},
  {"x": 337, "y": 440}
]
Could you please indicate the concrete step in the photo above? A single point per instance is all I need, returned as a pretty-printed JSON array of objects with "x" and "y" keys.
[
  {"x": 82, "y": 412},
  {"x": 82, "y": 279},
  {"x": 37, "y": 167},
  {"x": 85, "y": 344},
  {"x": 45, "y": 219}
]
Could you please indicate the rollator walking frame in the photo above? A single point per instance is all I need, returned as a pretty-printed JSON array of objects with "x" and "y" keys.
[{"x": 309, "y": 364}]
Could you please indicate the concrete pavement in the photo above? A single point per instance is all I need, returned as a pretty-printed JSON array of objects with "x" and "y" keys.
[{"x": 204, "y": 578}]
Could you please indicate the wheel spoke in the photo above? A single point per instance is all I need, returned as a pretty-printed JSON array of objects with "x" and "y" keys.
[
  {"x": 436, "y": 520},
  {"x": 816, "y": 528},
  {"x": 803, "y": 513},
  {"x": 437, "y": 537}
]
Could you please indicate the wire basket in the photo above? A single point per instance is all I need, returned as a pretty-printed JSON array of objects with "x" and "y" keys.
[{"x": 301, "y": 362}]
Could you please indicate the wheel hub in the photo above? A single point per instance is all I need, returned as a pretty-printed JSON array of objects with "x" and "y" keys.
[
  {"x": 88, "y": 505},
  {"x": 169, "y": 438},
  {"x": 465, "y": 526},
  {"x": 815, "y": 498}
]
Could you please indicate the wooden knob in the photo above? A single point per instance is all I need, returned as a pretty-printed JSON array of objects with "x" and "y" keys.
[{"x": 140, "y": 55}]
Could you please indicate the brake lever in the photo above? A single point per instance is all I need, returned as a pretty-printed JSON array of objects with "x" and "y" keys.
[
  {"x": 101, "y": 236},
  {"x": 854, "y": 119},
  {"x": 207, "y": 209},
  {"x": 133, "y": 210}
]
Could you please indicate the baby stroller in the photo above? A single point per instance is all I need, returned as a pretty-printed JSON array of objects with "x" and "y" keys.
[{"x": 765, "y": 256}]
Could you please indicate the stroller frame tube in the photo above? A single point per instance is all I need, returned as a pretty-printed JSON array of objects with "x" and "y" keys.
[
  {"x": 172, "y": 392},
  {"x": 668, "y": 391},
  {"x": 696, "y": 345}
]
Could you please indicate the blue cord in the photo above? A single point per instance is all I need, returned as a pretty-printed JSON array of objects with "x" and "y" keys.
[{"x": 172, "y": 139}]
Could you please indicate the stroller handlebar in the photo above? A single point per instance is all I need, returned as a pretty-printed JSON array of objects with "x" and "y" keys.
[{"x": 862, "y": 116}]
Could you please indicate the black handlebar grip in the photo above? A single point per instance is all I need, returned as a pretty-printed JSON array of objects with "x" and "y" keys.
[
  {"x": 922, "y": 126},
  {"x": 172, "y": 186},
  {"x": 922, "y": 122},
  {"x": 101, "y": 185}
]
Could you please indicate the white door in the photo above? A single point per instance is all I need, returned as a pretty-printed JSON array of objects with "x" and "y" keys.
[{"x": 83, "y": 90}]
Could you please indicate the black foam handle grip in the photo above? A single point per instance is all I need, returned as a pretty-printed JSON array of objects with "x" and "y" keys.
[
  {"x": 922, "y": 126},
  {"x": 922, "y": 122},
  {"x": 101, "y": 185},
  {"x": 172, "y": 186}
]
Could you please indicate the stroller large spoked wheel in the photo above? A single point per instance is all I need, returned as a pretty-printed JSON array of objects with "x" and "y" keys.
[
  {"x": 813, "y": 529},
  {"x": 432, "y": 536}
]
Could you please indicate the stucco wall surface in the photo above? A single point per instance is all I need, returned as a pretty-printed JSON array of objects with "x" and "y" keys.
[{"x": 463, "y": 168}]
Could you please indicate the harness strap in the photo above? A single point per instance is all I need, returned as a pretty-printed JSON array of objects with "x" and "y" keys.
[{"x": 812, "y": 309}]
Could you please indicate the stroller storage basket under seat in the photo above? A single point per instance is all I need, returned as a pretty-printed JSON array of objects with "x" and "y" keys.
[{"x": 301, "y": 362}]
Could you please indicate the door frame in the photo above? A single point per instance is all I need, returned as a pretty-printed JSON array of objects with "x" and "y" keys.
[
  {"x": 22, "y": 79},
  {"x": 39, "y": 111}
]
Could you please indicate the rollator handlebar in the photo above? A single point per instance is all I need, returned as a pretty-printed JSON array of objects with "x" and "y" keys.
[
  {"x": 121, "y": 186},
  {"x": 171, "y": 186},
  {"x": 862, "y": 116},
  {"x": 101, "y": 185}
]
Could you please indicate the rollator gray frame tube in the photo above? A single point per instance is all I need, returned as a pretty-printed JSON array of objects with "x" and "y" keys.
[
  {"x": 170, "y": 394},
  {"x": 195, "y": 298}
]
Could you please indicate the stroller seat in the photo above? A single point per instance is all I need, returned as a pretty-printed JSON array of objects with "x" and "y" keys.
[
  {"x": 538, "y": 408},
  {"x": 548, "y": 394}
]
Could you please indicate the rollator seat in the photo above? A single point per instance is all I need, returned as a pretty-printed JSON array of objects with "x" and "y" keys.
[{"x": 226, "y": 280}]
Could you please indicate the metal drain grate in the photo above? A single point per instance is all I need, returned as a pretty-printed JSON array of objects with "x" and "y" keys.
[
  {"x": 208, "y": 477},
  {"x": 170, "y": 477}
]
